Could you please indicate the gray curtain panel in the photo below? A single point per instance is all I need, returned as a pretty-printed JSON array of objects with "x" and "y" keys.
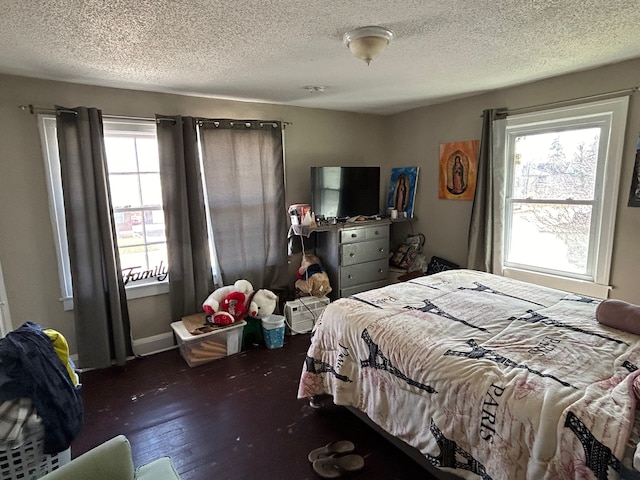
[
  {"x": 244, "y": 177},
  {"x": 190, "y": 275},
  {"x": 99, "y": 300},
  {"x": 482, "y": 232}
]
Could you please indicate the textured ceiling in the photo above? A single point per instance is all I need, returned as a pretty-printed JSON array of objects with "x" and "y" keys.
[{"x": 268, "y": 51}]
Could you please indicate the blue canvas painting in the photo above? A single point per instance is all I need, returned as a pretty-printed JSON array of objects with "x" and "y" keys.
[{"x": 402, "y": 190}]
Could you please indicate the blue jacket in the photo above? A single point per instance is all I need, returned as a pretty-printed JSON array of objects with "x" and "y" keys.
[{"x": 30, "y": 368}]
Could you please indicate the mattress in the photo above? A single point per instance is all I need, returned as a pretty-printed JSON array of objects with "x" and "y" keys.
[{"x": 486, "y": 376}]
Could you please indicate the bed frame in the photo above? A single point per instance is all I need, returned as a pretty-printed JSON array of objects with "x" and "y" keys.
[
  {"x": 321, "y": 401},
  {"x": 404, "y": 447}
]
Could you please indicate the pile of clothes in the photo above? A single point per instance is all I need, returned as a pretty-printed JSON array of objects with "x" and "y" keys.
[{"x": 38, "y": 387}]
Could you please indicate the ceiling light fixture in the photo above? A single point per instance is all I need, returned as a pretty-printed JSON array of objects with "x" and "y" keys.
[{"x": 366, "y": 43}]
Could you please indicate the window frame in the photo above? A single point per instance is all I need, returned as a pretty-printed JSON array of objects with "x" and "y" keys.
[
  {"x": 608, "y": 115},
  {"x": 50, "y": 155}
]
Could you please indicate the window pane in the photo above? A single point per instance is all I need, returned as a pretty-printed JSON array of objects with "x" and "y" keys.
[
  {"x": 134, "y": 257},
  {"x": 158, "y": 258},
  {"x": 125, "y": 191},
  {"x": 144, "y": 264},
  {"x": 557, "y": 165},
  {"x": 154, "y": 225},
  {"x": 554, "y": 237},
  {"x": 150, "y": 185},
  {"x": 121, "y": 154},
  {"x": 148, "y": 155},
  {"x": 128, "y": 227}
]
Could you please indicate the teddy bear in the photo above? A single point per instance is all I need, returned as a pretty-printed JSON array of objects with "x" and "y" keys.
[
  {"x": 312, "y": 278},
  {"x": 265, "y": 302},
  {"x": 230, "y": 303}
]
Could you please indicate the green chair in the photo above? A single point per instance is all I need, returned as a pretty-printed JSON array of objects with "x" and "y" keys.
[{"x": 112, "y": 460}]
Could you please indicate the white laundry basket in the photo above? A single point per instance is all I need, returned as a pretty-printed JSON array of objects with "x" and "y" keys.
[{"x": 27, "y": 462}]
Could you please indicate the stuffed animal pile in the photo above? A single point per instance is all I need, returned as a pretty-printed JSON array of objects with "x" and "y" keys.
[
  {"x": 232, "y": 303},
  {"x": 312, "y": 278}
]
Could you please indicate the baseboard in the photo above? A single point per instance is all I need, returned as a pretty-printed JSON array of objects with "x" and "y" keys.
[
  {"x": 142, "y": 347},
  {"x": 154, "y": 344}
]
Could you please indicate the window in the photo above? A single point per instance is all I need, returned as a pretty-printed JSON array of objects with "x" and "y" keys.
[
  {"x": 132, "y": 157},
  {"x": 136, "y": 198},
  {"x": 562, "y": 170}
]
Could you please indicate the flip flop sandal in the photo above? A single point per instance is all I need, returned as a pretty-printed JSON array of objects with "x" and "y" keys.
[
  {"x": 334, "y": 467},
  {"x": 330, "y": 449}
]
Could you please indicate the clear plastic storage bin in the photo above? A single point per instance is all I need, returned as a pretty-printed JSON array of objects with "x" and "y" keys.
[{"x": 203, "y": 348}]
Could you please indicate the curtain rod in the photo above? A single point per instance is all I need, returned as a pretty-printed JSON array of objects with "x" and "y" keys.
[
  {"x": 216, "y": 122},
  {"x": 533, "y": 108},
  {"x": 246, "y": 123},
  {"x": 33, "y": 110}
]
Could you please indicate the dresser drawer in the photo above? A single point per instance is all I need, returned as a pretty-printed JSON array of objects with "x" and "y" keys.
[
  {"x": 364, "y": 273},
  {"x": 352, "y": 253},
  {"x": 351, "y": 235},
  {"x": 347, "y": 292}
]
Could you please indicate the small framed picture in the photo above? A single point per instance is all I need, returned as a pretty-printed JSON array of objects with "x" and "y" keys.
[{"x": 402, "y": 191}]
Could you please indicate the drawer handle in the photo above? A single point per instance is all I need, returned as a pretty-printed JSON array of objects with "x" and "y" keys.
[
  {"x": 380, "y": 270},
  {"x": 381, "y": 250},
  {"x": 376, "y": 232},
  {"x": 349, "y": 277},
  {"x": 354, "y": 235},
  {"x": 352, "y": 254}
]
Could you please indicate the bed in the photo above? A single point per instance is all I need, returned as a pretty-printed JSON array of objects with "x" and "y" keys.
[{"x": 485, "y": 376}]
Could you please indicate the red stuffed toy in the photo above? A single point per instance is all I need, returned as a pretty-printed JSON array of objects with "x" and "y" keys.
[
  {"x": 235, "y": 304},
  {"x": 229, "y": 304},
  {"x": 234, "y": 307}
]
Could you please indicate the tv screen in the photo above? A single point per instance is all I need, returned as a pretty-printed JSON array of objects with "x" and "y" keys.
[{"x": 345, "y": 191}]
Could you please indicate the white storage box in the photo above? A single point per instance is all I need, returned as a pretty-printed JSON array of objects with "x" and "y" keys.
[
  {"x": 302, "y": 314},
  {"x": 27, "y": 462},
  {"x": 203, "y": 348}
]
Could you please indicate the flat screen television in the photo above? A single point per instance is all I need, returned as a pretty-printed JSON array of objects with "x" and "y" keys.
[{"x": 343, "y": 192}]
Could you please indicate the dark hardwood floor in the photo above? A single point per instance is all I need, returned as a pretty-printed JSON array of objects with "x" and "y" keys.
[{"x": 234, "y": 418}]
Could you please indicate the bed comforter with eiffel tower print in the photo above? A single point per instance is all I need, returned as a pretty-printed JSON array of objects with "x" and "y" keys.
[{"x": 488, "y": 377}]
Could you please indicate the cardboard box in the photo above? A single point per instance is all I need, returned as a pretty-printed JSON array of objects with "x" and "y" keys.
[{"x": 203, "y": 348}]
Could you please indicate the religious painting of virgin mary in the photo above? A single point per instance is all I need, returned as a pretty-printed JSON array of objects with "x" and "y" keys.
[
  {"x": 402, "y": 190},
  {"x": 458, "y": 169}
]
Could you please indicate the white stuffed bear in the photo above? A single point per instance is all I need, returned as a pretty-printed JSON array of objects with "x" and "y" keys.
[
  {"x": 265, "y": 301},
  {"x": 230, "y": 303}
]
